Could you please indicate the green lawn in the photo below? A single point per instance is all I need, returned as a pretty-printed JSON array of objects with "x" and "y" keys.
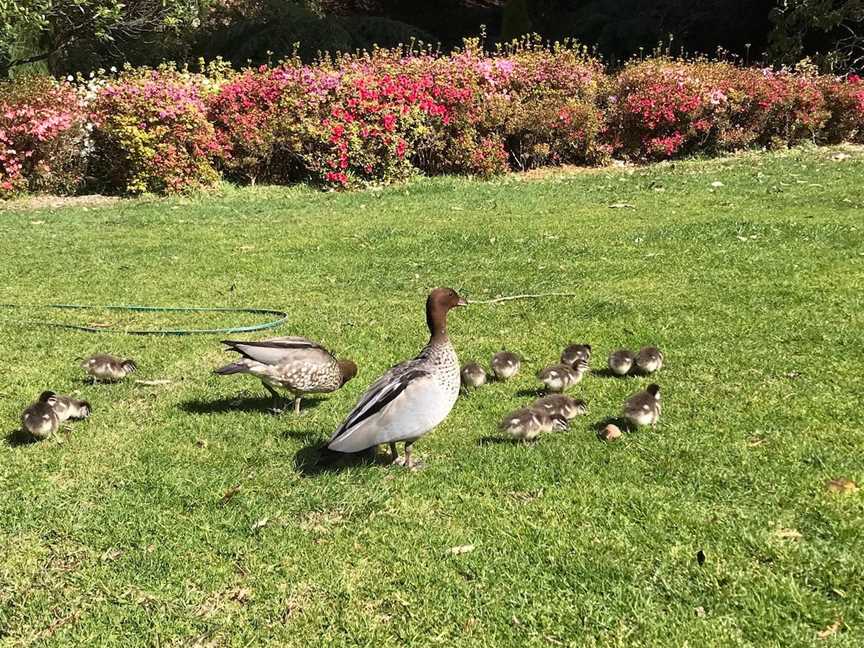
[{"x": 119, "y": 534}]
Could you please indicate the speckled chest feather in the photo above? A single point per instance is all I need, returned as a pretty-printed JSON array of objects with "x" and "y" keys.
[{"x": 439, "y": 358}]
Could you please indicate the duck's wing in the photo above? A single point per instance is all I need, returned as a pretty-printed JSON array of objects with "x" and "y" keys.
[
  {"x": 278, "y": 350},
  {"x": 393, "y": 389}
]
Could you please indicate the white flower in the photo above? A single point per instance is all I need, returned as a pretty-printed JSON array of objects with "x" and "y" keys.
[
  {"x": 113, "y": 68},
  {"x": 70, "y": 78},
  {"x": 717, "y": 97}
]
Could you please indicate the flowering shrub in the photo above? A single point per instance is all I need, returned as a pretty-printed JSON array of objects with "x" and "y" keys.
[
  {"x": 42, "y": 134},
  {"x": 383, "y": 116},
  {"x": 151, "y": 133},
  {"x": 245, "y": 113},
  {"x": 662, "y": 108},
  {"x": 844, "y": 100}
]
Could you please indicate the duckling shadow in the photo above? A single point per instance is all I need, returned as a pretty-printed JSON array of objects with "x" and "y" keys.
[
  {"x": 315, "y": 459},
  {"x": 530, "y": 393},
  {"x": 608, "y": 373},
  {"x": 490, "y": 440},
  {"x": 19, "y": 437},
  {"x": 254, "y": 404}
]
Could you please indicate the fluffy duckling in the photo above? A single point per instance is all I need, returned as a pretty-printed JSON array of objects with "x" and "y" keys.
[
  {"x": 649, "y": 359},
  {"x": 66, "y": 407},
  {"x": 559, "y": 377},
  {"x": 505, "y": 365},
  {"x": 561, "y": 405},
  {"x": 528, "y": 424},
  {"x": 106, "y": 368},
  {"x": 643, "y": 408},
  {"x": 621, "y": 361},
  {"x": 556, "y": 378},
  {"x": 576, "y": 352},
  {"x": 473, "y": 375},
  {"x": 40, "y": 420}
]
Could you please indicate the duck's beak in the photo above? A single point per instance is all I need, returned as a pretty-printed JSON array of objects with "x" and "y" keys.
[{"x": 462, "y": 302}]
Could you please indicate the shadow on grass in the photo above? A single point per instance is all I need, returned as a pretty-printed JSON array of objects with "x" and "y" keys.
[
  {"x": 495, "y": 440},
  {"x": 19, "y": 437},
  {"x": 315, "y": 459},
  {"x": 530, "y": 393},
  {"x": 607, "y": 373},
  {"x": 254, "y": 404}
]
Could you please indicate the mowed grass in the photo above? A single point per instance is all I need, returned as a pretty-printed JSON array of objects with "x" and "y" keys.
[{"x": 122, "y": 534}]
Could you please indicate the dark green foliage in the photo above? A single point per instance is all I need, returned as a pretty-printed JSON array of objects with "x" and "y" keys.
[
  {"x": 830, "y": 30},
  {"x": 280, "y": 30},
  {"x": 516, "y": 20}
]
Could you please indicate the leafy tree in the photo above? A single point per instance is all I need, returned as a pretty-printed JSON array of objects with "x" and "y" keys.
[
  {"x": 830, "y": 30},
  {"x": 34, "y": 31}
]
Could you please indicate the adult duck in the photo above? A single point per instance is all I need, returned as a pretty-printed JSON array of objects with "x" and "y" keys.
[
  {"x": 413, "y": 397},
  {"x": 295, "y": 364}
]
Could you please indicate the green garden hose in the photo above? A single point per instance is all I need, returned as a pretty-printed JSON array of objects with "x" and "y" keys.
[{"x": 282, "y": 317}]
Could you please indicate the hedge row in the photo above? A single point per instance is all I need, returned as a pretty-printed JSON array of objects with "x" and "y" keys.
[{"x": 384, "y": 116}]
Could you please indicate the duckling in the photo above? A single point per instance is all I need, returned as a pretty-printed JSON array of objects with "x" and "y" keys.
[
  {"x": 528, "y": 424},
  {"x": 473, "y": 375},
  {"x": 576, "y": 352},
  {"x": 621, "y": 361},
  {"x": 556, "y": 378},
  {"x": 505, "y": 365},
  {"x": 643, "y": 408},
  {"x": 40, "y": 419},
  {"x": 579, "y": 368},
  {"x": 649, "y": 359},
  {"x": 559, "y": 377},
  {"x": 561, "y": 405},
  {"x": 66, "y": 407},
  {"x": 106, "y": 368}
]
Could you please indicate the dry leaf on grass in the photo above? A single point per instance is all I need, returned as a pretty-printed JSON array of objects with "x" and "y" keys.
[
  {"x": 112, "y": 554},
  {"x": 788, "y": 534},
  {"x": 526, "y": 496},
  {"x": 153, "y": 383},
  {"x": 461, "y": 549},
  {"x": 622, "y": 206},
  {"x": 260, "y": 524},
  {"x": 841, "y": 485},
  {"x": 230, "y": 493},
  {"x": 239, "y": 594},
  {"x": 830, "y": 630}
]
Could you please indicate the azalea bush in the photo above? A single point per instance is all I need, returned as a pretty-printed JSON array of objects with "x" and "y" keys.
[
  {"x": 844, "y": 100},
  {"x": 252, "y": 113},
  {"x": 43, "y": 133},
  {"x": 151, "y": 132},
  {"x": 382, "y": 116},
  {"x": 663, "y": 108}
]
